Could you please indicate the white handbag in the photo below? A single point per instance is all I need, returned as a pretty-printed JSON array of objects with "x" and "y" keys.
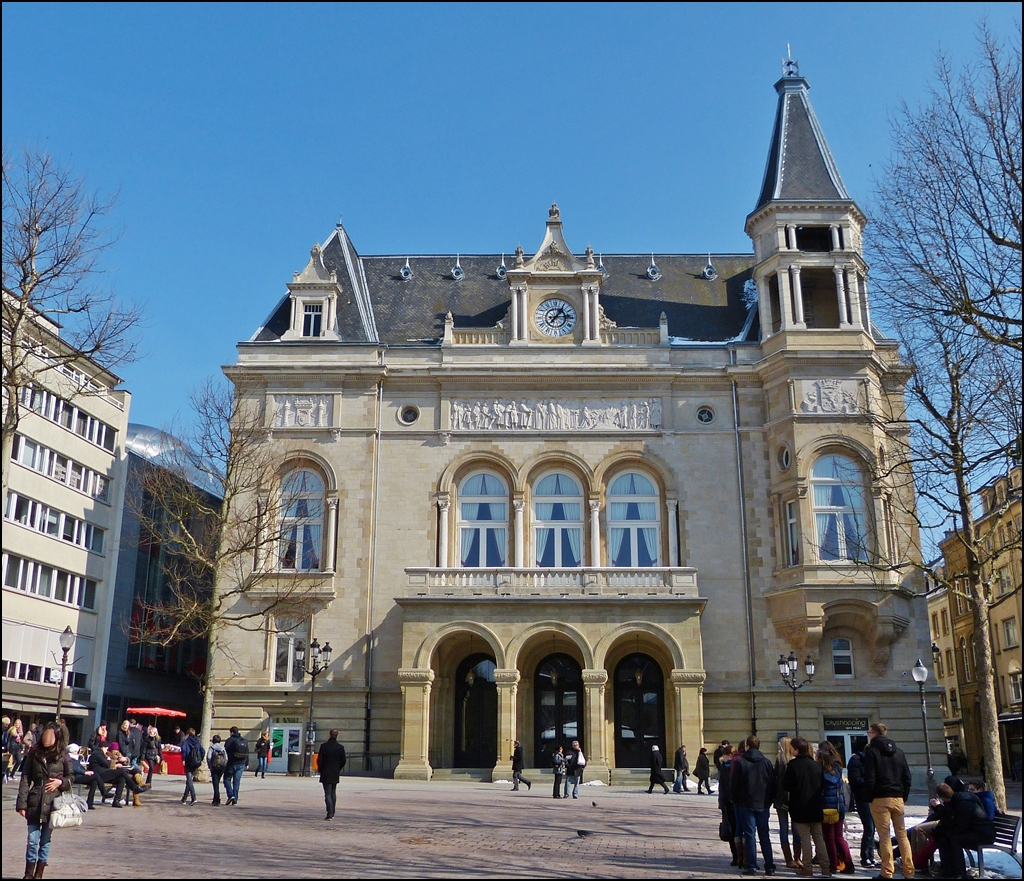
[{"x": 66, "y": 812}]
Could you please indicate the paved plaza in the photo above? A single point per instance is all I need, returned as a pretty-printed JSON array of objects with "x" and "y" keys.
[{"x": 388, "y": 828}]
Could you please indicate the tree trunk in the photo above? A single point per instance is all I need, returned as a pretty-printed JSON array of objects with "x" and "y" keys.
[{"x": 988, "y": 703}]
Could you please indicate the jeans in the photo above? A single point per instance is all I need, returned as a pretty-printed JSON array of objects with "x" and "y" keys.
[
  {"x": 216, "y": 776},
  {"x": 867, "y": 839},
  {"x": 703, "y": 781},
  {"x": 559, "y": 779},
  {"x": 572, "y": 780},
  {"x": 951, "y": 852},
  {"x": 884, "y": 811},
  {"x": 330, "y": 797},
  {"x": 261, "y": 767},
  {"x": 681, "y": 784},
  {"x": 784, "y": 831},
  {"x": 748, "y": 820},
  {"x": 838, "y": 849},
  {"x": 38, "y": 850},
  {"x": 517, "y": 778},
  {"x": 190, "y": 789},
  {"x": 233, "y": 779}
]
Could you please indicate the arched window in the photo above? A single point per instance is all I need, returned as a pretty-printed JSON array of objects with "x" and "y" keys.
[
  {"x": 557, "y": 521},
  {"x": 634, "y": 534},
  {"x": 842, "y": 659},
  {"x": 839, "y": 514},
  {"x": 302, "y": 521},
  {"x": 483, "y": 521}
]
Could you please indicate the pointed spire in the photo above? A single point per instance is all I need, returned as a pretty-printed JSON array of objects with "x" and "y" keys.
[{"x": 800, "y": 166}]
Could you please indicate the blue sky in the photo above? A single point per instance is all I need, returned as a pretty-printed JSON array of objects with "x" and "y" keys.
[{"x": 237, "y": 134}]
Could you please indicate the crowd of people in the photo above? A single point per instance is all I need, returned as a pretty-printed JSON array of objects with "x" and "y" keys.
[{"x": 804, "y": 784}]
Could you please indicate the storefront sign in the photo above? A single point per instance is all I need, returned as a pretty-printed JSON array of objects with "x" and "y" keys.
[{"x": 846, "y": 723}]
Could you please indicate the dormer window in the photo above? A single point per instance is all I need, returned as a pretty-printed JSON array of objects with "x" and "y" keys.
[
  {"x": 814, "y": 238},
  {"x": 312, "y": 319}
]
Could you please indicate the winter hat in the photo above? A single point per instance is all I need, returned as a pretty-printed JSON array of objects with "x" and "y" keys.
[
  {"x": 73, "y": 750},
  {"x": 654, "y": 747},
  {"x": 116, "y": 746}
]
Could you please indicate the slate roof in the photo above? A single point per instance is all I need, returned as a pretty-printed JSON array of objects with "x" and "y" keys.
[
  {"x": 800, "y": 166},
  {"x": 412, "y": 312}
]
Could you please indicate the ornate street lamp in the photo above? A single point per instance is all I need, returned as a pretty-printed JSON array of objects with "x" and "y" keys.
[
  {"x": 321, "y": 659},
  {"x": 920, "y": 674},
  {"x": 787, "y": 670},
  {"x": 66, "y": 639}
]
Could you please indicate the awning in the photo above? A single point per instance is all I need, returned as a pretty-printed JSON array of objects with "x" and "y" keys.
[{"x": 68, "y": 709}]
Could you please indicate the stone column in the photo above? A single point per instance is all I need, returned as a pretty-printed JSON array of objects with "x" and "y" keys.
[
  {"x": 520, "y": 539},
  {"x": 672, "y": 505},
  {"x": 514, "y": 317},
  {"x": 791, "y": 236},
  {"x": 595, "y": 740},
  {"x": 798, "y": 296},
  {"x": 785, "y": 302},
  {"x": 689, "y": 710},
  {"x": 595, "y": 533},
  {"x": 263, "y": 558},
  {"x": 836, "y": 244},
  {"x": 595, "y": 317},
  {"x": 443, "y": 503},
  {"x": 522, "y": 312},
  {"x": 507, "y": 682},
  {"x": 881, "y": 526},
  {"x": 586, "y": 314},
  {"x": 414, "y": 763},
  {"x": 764, "y": 305},
  {"x": 332, "y": 531},
  {"x": 853, "y": 289},
  {"x": 844, "y": 320}
]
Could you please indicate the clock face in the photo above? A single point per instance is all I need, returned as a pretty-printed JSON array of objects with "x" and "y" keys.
[{"x": 555, "y": 317}]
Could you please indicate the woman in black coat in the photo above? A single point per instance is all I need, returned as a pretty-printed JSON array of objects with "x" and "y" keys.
[
  {"x": 702, "y": 771},
  {"x": 657, "y": 774},
  {"x": 46, "y": 771},
  {"x": 152, "y": 751}
]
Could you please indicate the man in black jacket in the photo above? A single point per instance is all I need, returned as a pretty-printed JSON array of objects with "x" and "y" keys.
[
  {"x": 887, "y": 784},
  {"x": 657, "y": 770},
  {"x": 753, "y": 784},
  {"x": 963, "y": 823},
  {"x": 518, "y": 766},
  {"x": 862, "y": 804},
  {"x": 804, "y": 781},
  {"x": 682, "y": 768},
  {"x": 329, "y": 761},
  {"x": 237, "y": 748}
]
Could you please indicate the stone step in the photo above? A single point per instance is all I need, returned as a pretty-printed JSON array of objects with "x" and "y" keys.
[{"x": 480, "y": 775}]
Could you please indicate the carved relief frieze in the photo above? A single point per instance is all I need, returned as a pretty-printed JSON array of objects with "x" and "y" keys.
[
  {"x": 302, "y": 411},
  {"x": 557, "y": 414},
  {"x": 830, "y": 396}
]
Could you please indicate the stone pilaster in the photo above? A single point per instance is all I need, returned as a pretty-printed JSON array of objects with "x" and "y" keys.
[
  {"x": 595, "y": 738},
  {"x": 414, "y": 763},
  {"x": 507, "y": 682},
  {"x": 688, "y": 720}
]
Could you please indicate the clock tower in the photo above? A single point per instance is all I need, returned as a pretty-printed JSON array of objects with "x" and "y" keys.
[{"x": 556, "y": 298}]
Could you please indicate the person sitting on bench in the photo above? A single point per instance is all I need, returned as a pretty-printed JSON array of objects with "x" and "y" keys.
[{"x": 963, "y": 823}]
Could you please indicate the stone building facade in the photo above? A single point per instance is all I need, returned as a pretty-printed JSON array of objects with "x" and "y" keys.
[{"x": 551, "y": 496}]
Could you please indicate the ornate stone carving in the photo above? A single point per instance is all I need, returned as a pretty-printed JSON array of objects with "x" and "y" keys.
[
  {"x": 414, "y": 676},
  {"x": 558, "y": 414},
  {"x": 688, "y": 677},
  {"x": 553, "y": 260},
  {"x": 830, "y": 396},
  {"x": 595, "y": 677},
  {"x": 303, "y": 411},
  {"x": 506, "y": 678}
]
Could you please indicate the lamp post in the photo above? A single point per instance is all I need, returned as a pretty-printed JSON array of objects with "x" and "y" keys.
[
  {"x": 787, "y": 669},
  {"x": 920, "y": 674},
  {"x": 66, "y": 639},
  {"x": 321, "y": 659}
]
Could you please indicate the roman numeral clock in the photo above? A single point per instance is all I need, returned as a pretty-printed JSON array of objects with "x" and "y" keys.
[{"x": 555, "y": 317}]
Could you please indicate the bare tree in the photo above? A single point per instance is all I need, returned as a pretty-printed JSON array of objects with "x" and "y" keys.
[
  {"x": 947, "y": 227},
  {"x": 214, "y": 504},
  {"x": 56, "y": 307}
]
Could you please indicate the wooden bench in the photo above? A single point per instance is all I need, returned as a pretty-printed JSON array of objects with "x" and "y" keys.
[{"x": 1007, "y": 840}]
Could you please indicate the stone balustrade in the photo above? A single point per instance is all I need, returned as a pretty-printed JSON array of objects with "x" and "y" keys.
[{"x": 586, "y": 582}]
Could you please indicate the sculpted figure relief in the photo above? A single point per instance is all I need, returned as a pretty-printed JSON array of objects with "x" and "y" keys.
[
  {"x": 302, "y": 411},
  {"x": 831, "y": 396},
  {"x": 557, "y": 414}
]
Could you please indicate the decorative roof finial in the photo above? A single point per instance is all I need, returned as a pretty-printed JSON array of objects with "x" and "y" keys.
[
  {"x": 553, "y": 214},
  {"x": 653, "y": 273},
  {"x": 502, "y": 269},
  {"x": 406, "y": 271},
  {"x": 789, "y": 66},
  {"x": 710, "y": 273},
  {"x": 520, "y": 257},
  {"x": 590, "y": 257},
  {"x": 338, "y": 224},
  {"x": 600, "y": 265}
]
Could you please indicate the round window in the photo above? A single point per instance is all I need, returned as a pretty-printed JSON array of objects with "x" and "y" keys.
[
  {"x": 408, "y": 414},
  {"x": 784, "y": 458},
  {"x": 705, "y": 415}
]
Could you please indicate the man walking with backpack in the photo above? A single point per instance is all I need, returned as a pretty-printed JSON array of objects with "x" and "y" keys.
[
  {"x": 237, "y": 748},
  {"x": 192, "y": 757},
  {"x": 217, "y": 762}
]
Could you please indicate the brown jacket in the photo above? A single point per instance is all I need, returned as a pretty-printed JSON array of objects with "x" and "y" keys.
[{"x": 32, "y": 795}]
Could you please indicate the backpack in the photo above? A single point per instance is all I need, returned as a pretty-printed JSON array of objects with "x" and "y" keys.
[
  {"x": 239, "y": 749},
  {"x": 218, "y": 760},
  {"x": 196, "y": 755}
]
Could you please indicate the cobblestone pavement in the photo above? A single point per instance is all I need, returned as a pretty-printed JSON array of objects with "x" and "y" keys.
[{"x": 388, "y": 828}]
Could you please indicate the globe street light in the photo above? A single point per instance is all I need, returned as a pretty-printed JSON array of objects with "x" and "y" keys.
[
  {"x": 787, "y": 670},
  {"x": 920, "y": 674},
  {"x": 66, "y": 639},
  {"x": 321, "y": 659}
]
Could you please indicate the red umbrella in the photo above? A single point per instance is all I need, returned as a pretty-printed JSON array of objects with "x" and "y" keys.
[{"x": 156, "y": 711}]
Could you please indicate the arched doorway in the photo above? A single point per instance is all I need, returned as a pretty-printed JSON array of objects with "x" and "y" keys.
[
  {"x": 639, "y": 710},
  {"x": 558, "y": 706},
  {"x": 476, "y": 713}
]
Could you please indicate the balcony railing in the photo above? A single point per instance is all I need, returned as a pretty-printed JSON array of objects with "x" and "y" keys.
[{"x": 604, "y": 581}]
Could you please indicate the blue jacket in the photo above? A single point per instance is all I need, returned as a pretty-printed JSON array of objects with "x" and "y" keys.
[
  {"x": 186, "y": 748},
  {"x": 832, "y": 791}
]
